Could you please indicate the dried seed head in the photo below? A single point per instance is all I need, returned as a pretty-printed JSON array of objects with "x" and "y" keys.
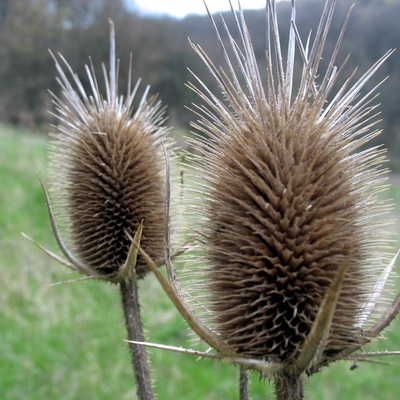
[
  {"x": 108, "y": 168},
  {"x": 289, "y": 197}
]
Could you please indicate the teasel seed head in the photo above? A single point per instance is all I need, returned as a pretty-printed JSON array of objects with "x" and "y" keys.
[
  {"x": 108, "y": 168},
  {"x": 289, "y": 217}
]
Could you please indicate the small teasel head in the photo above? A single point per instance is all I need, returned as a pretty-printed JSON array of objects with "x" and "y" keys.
[
  {"x": 290, "y": 223},
  {"x": 107, "y": 168}
]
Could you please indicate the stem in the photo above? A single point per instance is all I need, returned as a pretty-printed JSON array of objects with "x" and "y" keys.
[
  {"x": 140, "y": 362},
  {"x": 244, "y": 384},
  {"x": 288, "y": 387}
]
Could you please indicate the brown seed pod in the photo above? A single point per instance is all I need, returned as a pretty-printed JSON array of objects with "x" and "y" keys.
[
  {"x": 289, "y": 199},
  {"x": 108, "y": 169}
]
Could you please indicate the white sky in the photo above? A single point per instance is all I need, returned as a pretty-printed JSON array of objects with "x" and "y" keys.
[{"x": 181, "y": 8}]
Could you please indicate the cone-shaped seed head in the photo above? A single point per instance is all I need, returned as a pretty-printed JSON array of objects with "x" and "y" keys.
[
  {"x": 288, "y": 196},
  {"x": 108, "y": 169}
]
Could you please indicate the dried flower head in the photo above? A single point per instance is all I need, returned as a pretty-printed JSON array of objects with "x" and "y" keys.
[
  {"x": 109, "y": 166},
  {"x": 108, "y": 170},
  {"x": 290, "y": 221}
]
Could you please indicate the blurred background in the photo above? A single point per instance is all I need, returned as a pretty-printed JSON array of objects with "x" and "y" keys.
[{"x": 162, "y": 54}]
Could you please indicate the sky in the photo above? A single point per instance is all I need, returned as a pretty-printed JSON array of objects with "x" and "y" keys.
[{"x": 181, "y": 8}]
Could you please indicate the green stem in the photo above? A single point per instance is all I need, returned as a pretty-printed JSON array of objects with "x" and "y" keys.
[{"x": 140, "y": 362}]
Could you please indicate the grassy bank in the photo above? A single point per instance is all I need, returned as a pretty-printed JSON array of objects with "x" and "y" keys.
[{"x": 66, "y": 341}]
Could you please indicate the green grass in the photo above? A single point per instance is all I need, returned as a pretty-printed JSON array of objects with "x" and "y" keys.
[{"x": 67, "y": 341}]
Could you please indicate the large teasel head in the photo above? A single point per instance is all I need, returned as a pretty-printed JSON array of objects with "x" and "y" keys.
[
  {"x": 108, "y": 170},
  {"x": 290, "y": 224}
]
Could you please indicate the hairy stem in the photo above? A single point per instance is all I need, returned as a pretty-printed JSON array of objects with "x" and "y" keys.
[
  {"x": 244, "y": 384},
  {"x": 288, "y": 387},
  {"x": 140, "y": 362}
]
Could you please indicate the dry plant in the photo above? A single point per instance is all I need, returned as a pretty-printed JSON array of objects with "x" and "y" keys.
[
  {"x": 108, "y": 184},
  {"x": 294, "y": 261}
]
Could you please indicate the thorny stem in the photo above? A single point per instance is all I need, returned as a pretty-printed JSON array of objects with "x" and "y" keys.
[
  {"x": 140, "y": 362},
  {"x": 244, "y": 384},
  {"x": 288, "y": 387}
]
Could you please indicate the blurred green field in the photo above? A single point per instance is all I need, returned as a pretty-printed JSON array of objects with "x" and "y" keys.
[{"x": 67, "y": 341}]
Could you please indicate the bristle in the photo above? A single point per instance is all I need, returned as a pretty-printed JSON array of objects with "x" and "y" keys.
[
  {"x": 289, "y": 197},
  {"x": 108, "y": 168}
]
